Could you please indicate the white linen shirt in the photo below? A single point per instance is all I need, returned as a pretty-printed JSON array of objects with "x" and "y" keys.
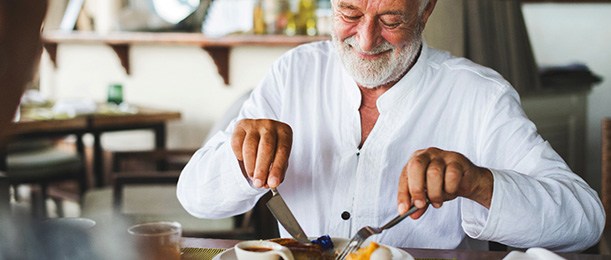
[{"x": 444, "y": 102}]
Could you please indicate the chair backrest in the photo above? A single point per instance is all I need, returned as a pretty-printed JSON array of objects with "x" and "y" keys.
[
  {"x": 5, "y": 198},
  {"x": 606, "y": 167}
]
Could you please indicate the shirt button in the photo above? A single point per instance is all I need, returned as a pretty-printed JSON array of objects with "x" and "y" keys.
[
  {"x": 358, "y": 153},
  {"x": 345, "y": 215}
]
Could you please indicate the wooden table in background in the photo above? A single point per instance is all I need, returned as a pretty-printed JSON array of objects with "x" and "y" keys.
[
  {"x": 416, "y": 253},
  {"x": 96, "y": 124},
  {"x": 146, "y": 118}
]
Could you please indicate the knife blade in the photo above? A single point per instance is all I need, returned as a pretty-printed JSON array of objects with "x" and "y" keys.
[
  {"x": 281, "y": 211},
  {"x": 283, "y": 214}
]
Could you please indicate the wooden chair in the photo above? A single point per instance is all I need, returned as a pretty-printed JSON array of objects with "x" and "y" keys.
[
  {"x": 605, "y": 242},
  {"x": 40, "y": 162},
  {"x": 5, "y": 198}
]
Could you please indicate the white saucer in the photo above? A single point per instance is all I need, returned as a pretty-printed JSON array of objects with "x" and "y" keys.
[{"x": 397, "y": 254}]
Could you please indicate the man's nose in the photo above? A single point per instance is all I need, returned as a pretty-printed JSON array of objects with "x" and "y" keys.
[{"x": 368, "y": 35}]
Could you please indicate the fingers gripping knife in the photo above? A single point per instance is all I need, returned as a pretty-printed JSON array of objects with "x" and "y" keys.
[{"x": 281, "y": 212}]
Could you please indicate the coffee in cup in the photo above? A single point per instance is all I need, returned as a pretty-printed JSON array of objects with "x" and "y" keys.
[{"x": 261, "y": 250}]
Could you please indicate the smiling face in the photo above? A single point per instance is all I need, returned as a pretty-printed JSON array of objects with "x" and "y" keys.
[{"x": 378, "y": 40}]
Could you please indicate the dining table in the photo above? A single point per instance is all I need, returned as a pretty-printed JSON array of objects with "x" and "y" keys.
[
  {"x": 103, "y": 119},
  {"x": 206, "y": 248}
]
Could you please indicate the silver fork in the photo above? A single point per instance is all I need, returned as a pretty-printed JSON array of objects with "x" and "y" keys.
[{"x": 365, "y": 232}]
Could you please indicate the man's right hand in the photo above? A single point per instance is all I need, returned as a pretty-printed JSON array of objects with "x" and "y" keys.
[{"x": 264, "y": 145}]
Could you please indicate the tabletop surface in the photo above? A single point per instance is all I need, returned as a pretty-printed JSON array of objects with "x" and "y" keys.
[
  {"x": 35, "y": 123},
  {"x": 417, "y": 253}
]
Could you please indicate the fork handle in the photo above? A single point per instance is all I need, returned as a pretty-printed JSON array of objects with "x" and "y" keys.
[{"x": 399, "y": 218}]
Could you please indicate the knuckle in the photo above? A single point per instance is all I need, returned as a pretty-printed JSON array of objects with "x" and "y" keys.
[
  {"x": 277, "y": 169},
  {"x": 264, "y": 131},
  {"x": 418, "y": 152},
  {"x": 417, "y": 190},
  {"x": 285, "y": 129},
  {"x": 432, "y": 150},
  {"x": 453, "y": 174},
  {"x": 435, "y": 198},
  {"x": 245, "y": 123},
  {"x": 455, "y": 169},
  {"x": 455, "y": 157},
  {"x": 418, "y": 160},
  {"x": 268, "y": 146},
  {"x": 259, "y": 171},
  {"x": 236, "y": 143},
  {"x": 451, "y": 192},
  {"x": 434, "y": 171}
]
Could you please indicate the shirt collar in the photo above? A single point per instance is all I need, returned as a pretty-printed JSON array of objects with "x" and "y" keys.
[{"x": 407, "y": 84}]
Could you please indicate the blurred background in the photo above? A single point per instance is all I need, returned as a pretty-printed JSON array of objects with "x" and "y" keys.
[{"x": 197, "y": 57}]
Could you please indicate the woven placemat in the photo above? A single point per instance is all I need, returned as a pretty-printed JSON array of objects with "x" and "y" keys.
[{"x": 190, "y": 253}]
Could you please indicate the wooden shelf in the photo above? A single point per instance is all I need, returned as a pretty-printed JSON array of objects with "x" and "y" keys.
[{"x": 218, "y": 48}]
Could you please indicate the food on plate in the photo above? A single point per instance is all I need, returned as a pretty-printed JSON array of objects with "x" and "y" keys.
[
  {"x": 373, "y": 251},
  {"x": 382, "y": 253},
  {"x": 314, "y": 251},
  {"x": 322, "y": 248},
  {"x": 324, "y": 241}
]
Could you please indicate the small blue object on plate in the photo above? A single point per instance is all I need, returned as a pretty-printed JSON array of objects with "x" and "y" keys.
[{"x": 324, "y": 241}]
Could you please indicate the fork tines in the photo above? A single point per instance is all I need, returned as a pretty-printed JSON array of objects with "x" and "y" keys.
[
  {"x": 356, "y": 242},
  {"x": 352, "y": 246},
  {"x": 365, "y": 232}
]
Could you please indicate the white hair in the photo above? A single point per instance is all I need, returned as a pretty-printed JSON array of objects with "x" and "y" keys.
[{"x": 423, "y": 4}]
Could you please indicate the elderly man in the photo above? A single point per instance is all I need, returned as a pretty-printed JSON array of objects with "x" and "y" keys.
[{"x": 375, "y": 121}]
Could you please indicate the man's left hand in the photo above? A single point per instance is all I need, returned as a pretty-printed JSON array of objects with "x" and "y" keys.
[{"x": 442, "y": 176}]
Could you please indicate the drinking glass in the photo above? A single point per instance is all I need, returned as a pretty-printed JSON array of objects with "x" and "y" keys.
[
  {"x": 157, "y": 240},
  {"x": 115, "y": 93}
]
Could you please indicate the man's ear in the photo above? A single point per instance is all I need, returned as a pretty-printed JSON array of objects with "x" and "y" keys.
[{"x": 428, "y": 10}]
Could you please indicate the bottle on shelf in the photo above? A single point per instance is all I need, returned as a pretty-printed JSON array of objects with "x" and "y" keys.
[
  {"x": 289, "y": 17},
  {"x": 306, "y": 17},
  {"x": 276, "y": 14},
  {"x": 259, "y": 18},
  {"x": 291, "y": 24},
  {"x": 284, "y": 16}
]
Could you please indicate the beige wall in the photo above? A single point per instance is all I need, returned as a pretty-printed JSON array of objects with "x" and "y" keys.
[{"x": 445, "y": 27}]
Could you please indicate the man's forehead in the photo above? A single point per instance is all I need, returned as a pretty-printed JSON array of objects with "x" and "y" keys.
[{"x": 394, "y": 6}]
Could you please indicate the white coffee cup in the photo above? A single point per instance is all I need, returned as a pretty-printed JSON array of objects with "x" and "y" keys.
[{"x": 261, "y": 250}]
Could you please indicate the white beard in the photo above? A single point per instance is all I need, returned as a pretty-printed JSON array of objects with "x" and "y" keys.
[{"x": 385, "y": 69}]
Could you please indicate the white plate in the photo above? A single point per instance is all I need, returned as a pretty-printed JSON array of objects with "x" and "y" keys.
[{"x": 397, "y": 254}]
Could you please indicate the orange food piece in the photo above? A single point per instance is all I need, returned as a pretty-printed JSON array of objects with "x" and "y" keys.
[{"x": 364, "y": 253}]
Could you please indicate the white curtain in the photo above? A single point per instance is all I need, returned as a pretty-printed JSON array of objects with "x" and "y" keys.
[{"x": 496, "y": 37}]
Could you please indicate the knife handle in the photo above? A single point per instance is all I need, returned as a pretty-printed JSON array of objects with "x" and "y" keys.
[{"x": 243, "y": 169}]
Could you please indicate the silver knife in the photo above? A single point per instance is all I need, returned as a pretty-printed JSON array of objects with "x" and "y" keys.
[
  {"x": 283, "y": 214},
  {"x": 281, "y": 211}
]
